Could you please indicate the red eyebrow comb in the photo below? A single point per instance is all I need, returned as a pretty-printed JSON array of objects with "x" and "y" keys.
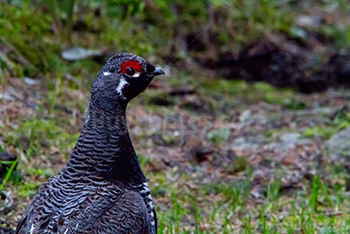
[{"x": 132, "y": 64}]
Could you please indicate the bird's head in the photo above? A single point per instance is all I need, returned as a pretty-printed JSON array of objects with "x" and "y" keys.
[{"x": 123, "y": 77}]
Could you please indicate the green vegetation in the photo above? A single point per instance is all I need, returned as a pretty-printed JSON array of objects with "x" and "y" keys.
[
  {"x": 251, "y": 192},
  {"x": 34, "y": 136},
  {"x": 331, "y": 127},
  {"x": 9, "y": 171}
]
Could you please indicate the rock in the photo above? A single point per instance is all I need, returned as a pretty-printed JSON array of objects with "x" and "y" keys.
[
  {"x": 6, "y": 200},
  {"x": 339, "y": 144},
  {"x": 5, "y": 96},
  {"x": 290, "y": 137},
  {"x": 78, "y": 53},
  {"x": 309, "y": 21},
  {"x": 30, "y": 81}
]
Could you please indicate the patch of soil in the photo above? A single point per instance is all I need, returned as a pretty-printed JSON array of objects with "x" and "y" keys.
[{"x": 285, "y": 62}]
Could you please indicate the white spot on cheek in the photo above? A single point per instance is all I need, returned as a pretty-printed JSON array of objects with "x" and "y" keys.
[
  {"x": 136, "y": 75},
  {"x": 106, "y": 73},
  {"x": 120, "y": 87}
]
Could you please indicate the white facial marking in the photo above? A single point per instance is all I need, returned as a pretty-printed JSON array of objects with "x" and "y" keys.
[
  {"x": 32, "y": 229},
  {"x": 120, "y": 87},
  {"x": 137, "y": 74},
  {"x": 106, "y": 73}
]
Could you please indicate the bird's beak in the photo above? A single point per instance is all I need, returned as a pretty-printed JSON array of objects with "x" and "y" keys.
[{"x": 158, "y": 71}]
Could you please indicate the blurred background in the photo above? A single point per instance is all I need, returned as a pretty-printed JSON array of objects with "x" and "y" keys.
[{"x": 248, "y": 132}]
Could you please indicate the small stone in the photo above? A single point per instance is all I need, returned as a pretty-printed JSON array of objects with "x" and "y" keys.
[
  {"x": 309, "y": 21},
  {"x": 5, "y": 96},
  {"x": 280, "y": 218},
  {"x": 339, "y": 144},
  {"x": 290, "y": 137},
  {"x": 255, "y": 194},
  {"x": 78, "y": 53},
  {"x": 30, "y": 81}
]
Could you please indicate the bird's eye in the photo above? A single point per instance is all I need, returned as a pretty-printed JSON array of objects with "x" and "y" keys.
[{"x": 130, "y": 71}]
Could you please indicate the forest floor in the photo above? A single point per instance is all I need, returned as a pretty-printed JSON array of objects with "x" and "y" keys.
[{"x": 220, "y": 156}]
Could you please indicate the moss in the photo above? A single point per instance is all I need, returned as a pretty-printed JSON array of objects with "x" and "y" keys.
[{"x": 238, "y": 164}]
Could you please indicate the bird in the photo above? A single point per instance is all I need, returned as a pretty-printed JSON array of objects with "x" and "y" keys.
[{"x": 102, "y": 188}]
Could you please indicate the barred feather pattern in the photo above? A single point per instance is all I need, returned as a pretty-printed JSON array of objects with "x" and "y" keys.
[
  {"x": 144, "y": 191},
  {"x": 102, "y": 189}
]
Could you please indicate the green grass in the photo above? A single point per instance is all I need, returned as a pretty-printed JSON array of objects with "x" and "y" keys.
[
  {"x": 186, "y": 200},
  {"x": 252, "y": 92},
  {"x": 35, "y": 136},
  {"x": 308, "y": 212},
  {"x": 10, "y": 169}
]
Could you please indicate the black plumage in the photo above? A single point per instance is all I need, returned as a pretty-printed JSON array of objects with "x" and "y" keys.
[{"x": 102, "y": 189}]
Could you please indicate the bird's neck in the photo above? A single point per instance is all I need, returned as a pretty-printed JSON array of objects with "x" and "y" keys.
[{"x": 104, "y": 147}]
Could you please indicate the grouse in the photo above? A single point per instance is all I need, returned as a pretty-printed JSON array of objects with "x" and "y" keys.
[{"x": 102, "y": 189}]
